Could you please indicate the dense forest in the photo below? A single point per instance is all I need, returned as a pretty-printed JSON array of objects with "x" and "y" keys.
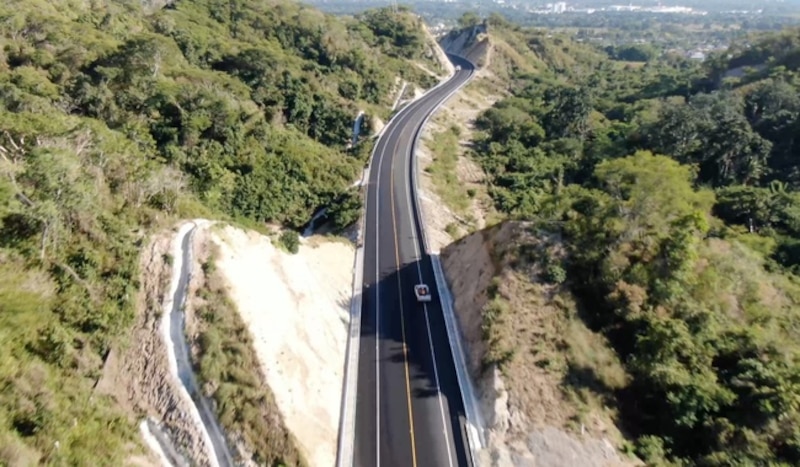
[
  {"x": 675, "y": 188},
  {"x": 115, "y": 120}
]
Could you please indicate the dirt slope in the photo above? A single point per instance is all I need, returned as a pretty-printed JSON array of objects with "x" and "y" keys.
[
  {"x": 526, "y": 349},
  {"x": 296, "y": 309}
]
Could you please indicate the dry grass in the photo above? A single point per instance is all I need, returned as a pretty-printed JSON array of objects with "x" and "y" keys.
[
  {"x": 457, "y": 180},
  {"x": 561, "y": 372},
  {"x": 733, "y": 281},
  {"x": 507, "y": 57},
  {"x": 444, "y": 147},
  {"x": 557, "y": 371}
]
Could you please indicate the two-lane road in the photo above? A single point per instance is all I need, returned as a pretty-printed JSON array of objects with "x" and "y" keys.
[{"x": 409, "y": 411}]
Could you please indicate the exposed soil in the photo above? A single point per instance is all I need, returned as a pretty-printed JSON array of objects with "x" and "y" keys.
[
  {"x": 530, "y": 417},
  {"x": 296, "y": 307},
  {"x": 258, "y": 426}
]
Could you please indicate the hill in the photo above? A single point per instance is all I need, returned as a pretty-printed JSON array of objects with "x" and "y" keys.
[
  {"x": 116, "y": 119},
  {"x": 507, "y": 50},
  {"x": 759, "y": 54},
  {"x": 639, "y": 283}
]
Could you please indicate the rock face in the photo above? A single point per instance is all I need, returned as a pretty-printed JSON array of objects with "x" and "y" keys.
[{"x": 471, "y": 43}]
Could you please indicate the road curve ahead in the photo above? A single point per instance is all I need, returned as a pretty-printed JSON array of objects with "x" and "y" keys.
[{"x": 409, "y": 411}]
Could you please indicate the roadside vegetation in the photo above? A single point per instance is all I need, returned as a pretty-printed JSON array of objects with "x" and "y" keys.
[
  {"x": 116, "y": 121},
  {"x": 672, "y": 193},
  {"x": 444, "y": 146}
]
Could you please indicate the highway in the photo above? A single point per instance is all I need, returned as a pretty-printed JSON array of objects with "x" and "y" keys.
[{"x": 408, "y": 409}]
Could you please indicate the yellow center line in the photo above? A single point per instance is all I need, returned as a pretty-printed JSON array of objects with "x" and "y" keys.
[{"x": 402, "y": 320}]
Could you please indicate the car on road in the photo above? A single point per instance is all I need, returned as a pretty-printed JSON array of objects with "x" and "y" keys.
[
  {"x": 458, "y": 67},
  {"x": 422, "y": 292}
]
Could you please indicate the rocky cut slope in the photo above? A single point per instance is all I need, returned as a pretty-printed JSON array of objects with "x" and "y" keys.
[{"x": 529, "y": 352}]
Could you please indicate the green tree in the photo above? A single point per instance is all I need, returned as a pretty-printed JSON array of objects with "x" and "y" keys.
[{"x": 468, "y": 20}]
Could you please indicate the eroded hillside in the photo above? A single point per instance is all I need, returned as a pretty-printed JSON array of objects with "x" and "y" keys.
[{"x": 539, "y": 370}]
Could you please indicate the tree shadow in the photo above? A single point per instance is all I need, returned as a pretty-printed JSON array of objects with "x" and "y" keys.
[
  {"x": 580, "y": 377},
  {"x": 346, "y": 304},
  {"x": 626, "y": 399},
  {"x": 16, "y": 229}
]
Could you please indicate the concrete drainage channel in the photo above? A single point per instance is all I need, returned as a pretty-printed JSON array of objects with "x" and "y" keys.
[
  {"x": 178, "y": 355},
  {"x": 344, "y": 449}
]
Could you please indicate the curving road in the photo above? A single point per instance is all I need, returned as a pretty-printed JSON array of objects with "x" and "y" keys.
[{"x": 409, "y": 410}]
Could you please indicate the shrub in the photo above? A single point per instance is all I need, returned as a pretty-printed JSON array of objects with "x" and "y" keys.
[
  {"x": 290, "y": 240},
  {"x": 555, "y": 273},
  {"x": 346, "y": 211}
]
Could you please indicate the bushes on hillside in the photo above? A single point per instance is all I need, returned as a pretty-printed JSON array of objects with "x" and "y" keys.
[{"x": 701, "y": 322}]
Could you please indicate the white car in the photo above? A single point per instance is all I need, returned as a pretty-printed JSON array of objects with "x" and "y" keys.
[
  {"x": 422, "y": 292},
  {"x": 458, "y": 67}
]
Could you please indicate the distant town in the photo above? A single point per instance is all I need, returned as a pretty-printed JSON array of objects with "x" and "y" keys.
[
  {"x": 592, "y": 6},
  {"x": 586, "y": 7},
  {"x": 564, "y": 7},
  {"x": 691, "y": 28}
]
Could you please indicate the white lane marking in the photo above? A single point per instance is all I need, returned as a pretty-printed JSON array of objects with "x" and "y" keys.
[
  {"x": 407, "y": 169},
  {"x": 377, "y": 317},
  {"x": 400, "y": 116},
  {"x": 474, "y": 436},
  {"x": 377, "y": 296}
]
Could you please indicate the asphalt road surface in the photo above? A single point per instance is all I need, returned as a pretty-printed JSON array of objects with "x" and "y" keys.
[{"x": 409, "y": 411}]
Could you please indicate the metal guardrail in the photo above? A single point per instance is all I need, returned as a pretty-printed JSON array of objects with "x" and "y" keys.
[{"x": 474, "y": 419}]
